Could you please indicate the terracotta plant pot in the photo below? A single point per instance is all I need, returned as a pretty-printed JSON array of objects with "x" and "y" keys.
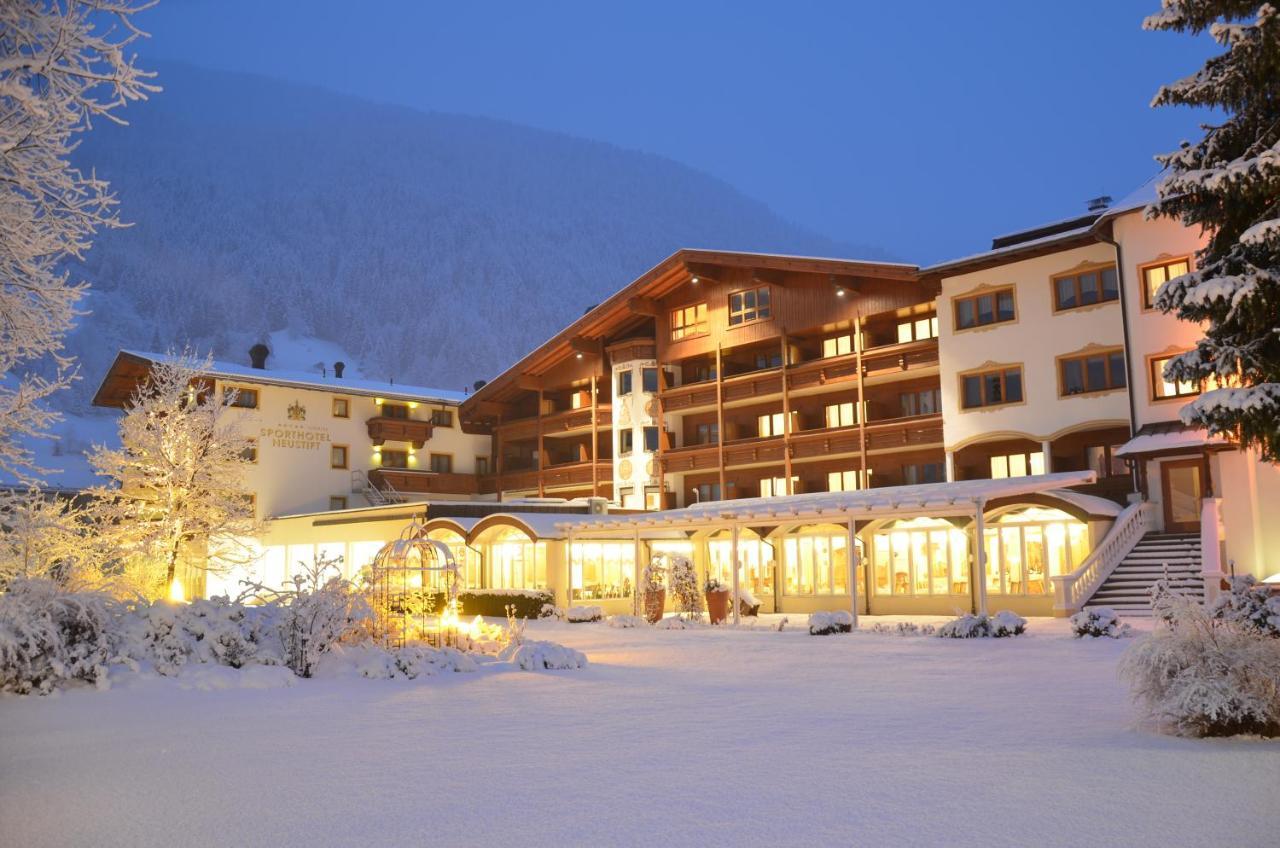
[
  {"x": 654, "y": 605},
  {"x": 718, "y": 605}
]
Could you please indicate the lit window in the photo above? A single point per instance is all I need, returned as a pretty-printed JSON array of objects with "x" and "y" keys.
[
  {"x": 601, "y": 570},
  {"x": 239, "y": 397},
  {"x": 776, "y": 487},
  {"x": 1025, "y": 549},
  {"x": 920, "y": 557},
  {"x": 1157, "y": 274},
  {"x": 1162, "y": 387},
  {"x": 842, "y": 481},
  {"x": 688, "y": 321},
  {"x": 341, "y": 408},
  {"x": 337, "y": 456},
  {"x": 748, "y": 306},
  {"x": 772, "y": 425},
  {"x": 816, "y": 565},
  {"x": 842, "y": 414},
  {"x": 918, "y": 330},
  {"x": 1102, "y": 459},
  {"x": 442, "y": 417},
  {"x": 992, "y": 388},
  {"x": 1017, "y": 465},
  {"x": 652, "y": 497},
  {"x": 1095, "y": 372},
  {"x": 983, "y": 309},
  {"x": 837, "y": 346}
]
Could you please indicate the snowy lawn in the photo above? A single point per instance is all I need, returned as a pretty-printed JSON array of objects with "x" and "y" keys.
[{"x": 708, "y": 737}]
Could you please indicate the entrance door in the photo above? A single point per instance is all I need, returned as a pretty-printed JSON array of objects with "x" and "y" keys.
[{"x": 1183, "y": 490}]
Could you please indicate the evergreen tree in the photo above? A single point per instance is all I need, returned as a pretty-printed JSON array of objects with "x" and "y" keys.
[{"x": 1228, "y": 184}]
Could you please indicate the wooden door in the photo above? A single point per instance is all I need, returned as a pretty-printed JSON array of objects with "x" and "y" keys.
[{"x": 1183, "y": 489}]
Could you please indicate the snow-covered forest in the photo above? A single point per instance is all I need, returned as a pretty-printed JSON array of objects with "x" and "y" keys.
[{"x": 436, "y": 249}]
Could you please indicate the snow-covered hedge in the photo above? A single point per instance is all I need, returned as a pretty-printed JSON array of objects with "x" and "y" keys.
[
  {"x": 904, "y": 628},
  {"x": 679, "y": 622},
  {"x": 1201, "y": 675},
  {"x": 1000, "y": 625},
  {"x": 525, "y": 603},
  {"x": 1098, "y": 622},
  {"x": 49, "y": 637},
  {"x": 582, "y": 615},
  {"x": 1250, "y": 606},
  {"x": 627, "y": 621},
  {"x": 826, "y": 623},
  {"x": 536, "y": 656}
]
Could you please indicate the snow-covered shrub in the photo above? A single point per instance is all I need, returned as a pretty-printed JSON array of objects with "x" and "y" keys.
[
  {"x": 826, "y": 623},
  {"x": 968, "y": 626},
  {"x": 207, "y": 631},
  {"x": 419, "y": 660},
  {"x": 627, "y": 621},
  {"x": 904, "y": 628},
  {"x": 654, "y": 576},
  {"x": 528, "y": 603},
  {"x": 679, "y": 622},
  {"x": 1250, "y": 606},
  {"x": 1204, "y": 676},
  {"x": 748, "y": 604},
  {"x": 714, "y": 584},
  {"x": 582, "y": 615},
  {"x": 1098, "y": 622},
  {"x": 48, "y": 636},
  {"x": 535, "y": 656},
  {"x": 552, "y": 611},
  {"x": 684, "y": 585}
]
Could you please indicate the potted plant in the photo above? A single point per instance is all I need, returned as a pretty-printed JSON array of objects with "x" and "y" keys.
[
  {"x": 717, "y": 600},
  {"x": 653, "y": 588}
]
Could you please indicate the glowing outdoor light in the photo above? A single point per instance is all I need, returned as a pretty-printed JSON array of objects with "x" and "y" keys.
[{"x": 176, "y": 593}]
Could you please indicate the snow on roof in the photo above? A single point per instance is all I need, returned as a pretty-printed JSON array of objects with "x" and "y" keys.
[
  {"x": 795, "y": 256},
  {"x": 311, "y": 380},
  {"x": 926, "y": 498},
  {"x": 1139, "y": 198},
  {"x": 1091, "y": 504},
  {"x": 1011, "y": 249},
  {"x": 1145, "y": 443}
]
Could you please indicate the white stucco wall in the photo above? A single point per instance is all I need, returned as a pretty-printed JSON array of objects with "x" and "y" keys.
[
  {"x": 1034, "y": 339},
  {"x": 633, "y": 412}
]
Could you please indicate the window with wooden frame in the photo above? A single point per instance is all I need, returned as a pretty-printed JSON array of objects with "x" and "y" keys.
[
  {"x": 1017, "y": 465},
  {"x": 240, "y": 397},
  {"x": 442, "y": 417},
  {"x": 688, "y": 321},
  {"x": 707, "y": 492},
  {"x": 776, "y": 487},
  {"x": 626, "y": 441},
  {"x": 1102, "y": 460},
  {"x": 250, "y": 452},
  {"x": 1156, "y": 274},
  {"x": 651, "y": 439},
  {"x": 337, "y": 502},
  {"x": 441, "y": 463},
  {"x": 842, "y": 481},
  {"x": 921, "y": 402},
  {"x": 482, "y": 465},
  {"x": 624, "y": 383},
  {"x": 981, "y": 310},
  {"x": 707, "y": 434},
  {"x": 841, "y": 414},
  {"x": 1164, "y": 389},
  {"x": 398, "y": 411},
  {"x": 700, "y": 373},
  {"x": 995, "y": 387},
  {"x": 337, "y": 456},
  {"x": 1090, "y": 373},
  {"x": 924, "y": 472},
  {"x": 749, "y": 305},
  {"x": 341, "y": 408},
  {"x": 394, "y": 458},
  {"x": 649, "y": 380},
  {"x": 772, "y": 424},
  {"x": 918, "y": 329},
  {"x": 1085, "y": 288},
  {"x": 837, "y": 346}
]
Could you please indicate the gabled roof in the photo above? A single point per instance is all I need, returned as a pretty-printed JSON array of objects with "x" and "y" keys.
[
  {"x": 613, "y": 314},
  {"x": 131, "y": 367}
]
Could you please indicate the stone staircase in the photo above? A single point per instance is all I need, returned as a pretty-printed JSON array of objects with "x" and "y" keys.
[{"x": 1172, "y": 556}]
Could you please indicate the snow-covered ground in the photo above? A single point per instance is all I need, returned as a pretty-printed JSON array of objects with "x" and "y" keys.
[{"x": 702, "y": 737}]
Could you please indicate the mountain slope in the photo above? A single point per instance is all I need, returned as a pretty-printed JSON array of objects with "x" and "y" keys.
[{"x": 435, "y": 248}]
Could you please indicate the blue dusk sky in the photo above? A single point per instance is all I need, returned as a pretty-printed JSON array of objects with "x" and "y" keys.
[{"x": 923, "y": 128}]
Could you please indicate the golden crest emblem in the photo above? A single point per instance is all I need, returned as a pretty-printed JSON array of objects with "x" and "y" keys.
[{"x": 297, "y": 412}]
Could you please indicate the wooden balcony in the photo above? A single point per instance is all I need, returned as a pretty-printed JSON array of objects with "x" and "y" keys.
[
  {"x": 831, "y": 441},
  {"x": 822, "y": 372},
  {"x": 383, "y": 429},
  {"x": 756, "y": 385},
  {"x": 692, "y": 396},
  {"x": 556, "y": 476},
  {"x": 921, "y": 431},
  {"x": 556, "y": 424},
  {"x": 690, "y": 458},
  {"x": 900, "y": 359},
  {"x": 411, "y": 481}
]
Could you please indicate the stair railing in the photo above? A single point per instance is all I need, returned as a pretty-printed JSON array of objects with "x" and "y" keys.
[{"x": 1071, "y": 591}]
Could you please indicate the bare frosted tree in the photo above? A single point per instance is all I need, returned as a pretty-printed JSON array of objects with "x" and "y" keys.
[
  {"x": 62, "y": 64},
  {"x": 44, "y": 536},
  {"x": 178, "y": 492}
]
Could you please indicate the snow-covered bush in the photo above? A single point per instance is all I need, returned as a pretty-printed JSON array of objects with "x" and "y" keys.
[
  {"x": 552, "y": 611},
  {"x": 1204, "y": 676},
  {"x": 684, "y": 585},
  {"x": 654, "y": 576},
  {"x": 679, "y": 622},
  {"x": 968, "y": 626},
  {"x": 748, "y": 604},
  {"x": 1098, "y": 622},
  {"x": 1250, "y": 606},
  {"x": 627, "y": 621},
  {"x": 419, "y": 660},
  {"x": 535, "y": 656},
  {"x": 527, "y": 603},
  {"x": 904, "y": 628},
  {"x": 48, "y": 636},
  {"x": 581, "y": 615},
  {"x": 714, "y": 584},
  {"x": 826, "y": 623}
]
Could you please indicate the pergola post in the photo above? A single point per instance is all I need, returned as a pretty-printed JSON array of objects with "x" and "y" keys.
[
  {"x": 635, "y": 580},
  {"x": 733, "y": 561},
  {"x": 851, "y": 560},
  {"x": 980, "y": 559},
  {"x": 568, "y": 571}
]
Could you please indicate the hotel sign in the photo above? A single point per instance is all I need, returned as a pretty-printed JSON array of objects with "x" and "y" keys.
[{"x": 294, "y": 436}]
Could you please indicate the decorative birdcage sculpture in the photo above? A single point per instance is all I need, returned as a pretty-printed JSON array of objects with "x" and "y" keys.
[{"x": 415, "y": 591}]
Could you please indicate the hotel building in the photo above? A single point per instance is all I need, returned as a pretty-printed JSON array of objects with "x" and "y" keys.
[{"x": 991, "y": 431}]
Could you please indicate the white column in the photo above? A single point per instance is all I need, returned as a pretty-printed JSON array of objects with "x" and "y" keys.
[
  {"x": 1046, "y": 448},
  {"x": 1210, "y": 549},
  {"x": 951, "y": 466},
  {"x": 635, "y": 580},
  {"x": 851, "y": 558},
  {"x": 733, "y": 560},
  {"x": 568, "y": 571},
  {"x": 980, "y": 560}
]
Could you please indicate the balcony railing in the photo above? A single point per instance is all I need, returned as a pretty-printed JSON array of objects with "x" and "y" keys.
[
  {"x": 383, "y": 429},
  {"x": 412, "y": 481},
  {"x": 556, "y": 423},
  {"x": 556, "y": 476}
]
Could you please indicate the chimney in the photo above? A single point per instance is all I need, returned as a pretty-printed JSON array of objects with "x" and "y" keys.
[
  {"x": 258, "y": 355},
  {"x": 337, "y": 369},
  {"x": 1098, "y": 204}
]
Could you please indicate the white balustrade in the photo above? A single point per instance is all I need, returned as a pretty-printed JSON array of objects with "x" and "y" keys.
[{"x": 1070, "y": 591}]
